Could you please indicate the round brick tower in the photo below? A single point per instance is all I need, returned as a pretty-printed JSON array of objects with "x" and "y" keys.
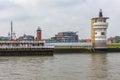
[{"x": 38, "y": 38}]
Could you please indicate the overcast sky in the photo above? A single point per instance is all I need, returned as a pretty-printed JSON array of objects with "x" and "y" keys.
[{"x": 55, "y": 16}]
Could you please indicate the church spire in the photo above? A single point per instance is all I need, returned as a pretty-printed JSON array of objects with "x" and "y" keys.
[{"x": 100, "y": 13}]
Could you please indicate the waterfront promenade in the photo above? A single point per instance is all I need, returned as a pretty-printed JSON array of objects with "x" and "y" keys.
[
  {"x": 24, "y": 48},
  {"x": 82, "y": 47}
]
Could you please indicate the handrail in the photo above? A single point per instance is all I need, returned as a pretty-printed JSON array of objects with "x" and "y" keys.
[
  {"x": 21, "y": 42},
  {"x": 18, "y": 47}
]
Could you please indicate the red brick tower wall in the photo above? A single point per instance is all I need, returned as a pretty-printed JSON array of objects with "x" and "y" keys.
[{"x": 39, "y": 35}]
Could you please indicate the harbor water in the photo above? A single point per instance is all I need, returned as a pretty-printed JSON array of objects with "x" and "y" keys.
[{"x": 83, "y": 66}]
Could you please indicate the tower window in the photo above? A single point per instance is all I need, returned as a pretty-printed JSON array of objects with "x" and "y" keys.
[
  {"x": 96, "y": 33},
  {"x": 102, "y": 33}
]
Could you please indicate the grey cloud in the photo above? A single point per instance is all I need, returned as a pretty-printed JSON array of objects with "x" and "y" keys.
[
  {"x": 68, "y": 3},
  {"x": 64, "y": 15},
  {"x": 6, "y": 4}
]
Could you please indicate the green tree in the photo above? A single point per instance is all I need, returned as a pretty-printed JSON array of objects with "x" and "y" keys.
[{"x": 117, "y": 38}]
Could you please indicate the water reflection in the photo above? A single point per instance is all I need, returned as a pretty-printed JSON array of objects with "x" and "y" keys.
[
  {"x": 23, "y": 68},
  {"x": 99, "y": 66}
]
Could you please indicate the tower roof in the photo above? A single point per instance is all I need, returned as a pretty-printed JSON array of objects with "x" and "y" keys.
[
  {"x": 100, "y": 13},
  {"x": 100, "y": 16},
  {"x": 38, "y": 28}
]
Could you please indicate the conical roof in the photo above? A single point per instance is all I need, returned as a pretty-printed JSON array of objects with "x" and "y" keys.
[{"x": 38, "y": 28}]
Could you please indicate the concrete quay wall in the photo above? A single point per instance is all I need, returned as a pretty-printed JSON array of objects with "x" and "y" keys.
[
  {"x": 26, "y": 52},
  {"x": 86, "y": 50}
]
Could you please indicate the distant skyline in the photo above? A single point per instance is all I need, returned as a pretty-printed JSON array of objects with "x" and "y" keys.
[{"x": 55, "y": 16}]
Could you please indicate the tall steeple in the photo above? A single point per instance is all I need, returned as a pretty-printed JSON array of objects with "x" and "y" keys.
[{"x": 100, "y": 13}]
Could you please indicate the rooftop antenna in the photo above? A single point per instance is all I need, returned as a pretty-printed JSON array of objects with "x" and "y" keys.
[
  {"x": 11, "y": 30},
  {"x": 100, "y": 13}
]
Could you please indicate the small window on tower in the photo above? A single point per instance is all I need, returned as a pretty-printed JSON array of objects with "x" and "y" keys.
[
  {"x": 102, "y": 33},
  {"x": 95, "y": 32}
]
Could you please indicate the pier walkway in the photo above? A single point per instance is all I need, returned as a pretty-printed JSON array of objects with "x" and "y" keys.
[{"x": 24, "y": 48}]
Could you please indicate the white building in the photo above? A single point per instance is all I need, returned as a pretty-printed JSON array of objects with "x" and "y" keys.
[{"x": 100, "y": 31}]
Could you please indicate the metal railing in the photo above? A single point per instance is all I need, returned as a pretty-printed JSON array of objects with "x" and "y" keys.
[
  {"x": 23, "y": 44},
  {"x": 25, "y": 47},
  {"x": 83, "y": 44},
  {"x": 3, "y": 42}
]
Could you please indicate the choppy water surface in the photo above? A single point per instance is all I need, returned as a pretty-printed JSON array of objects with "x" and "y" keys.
[{"x": 62, "y": 67}]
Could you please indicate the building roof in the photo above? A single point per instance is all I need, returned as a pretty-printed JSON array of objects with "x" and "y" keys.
[
  {"x": 68, "y": 32},
  {"x": 100, "y": 15},
  {"x": 38, "y": 28}
]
